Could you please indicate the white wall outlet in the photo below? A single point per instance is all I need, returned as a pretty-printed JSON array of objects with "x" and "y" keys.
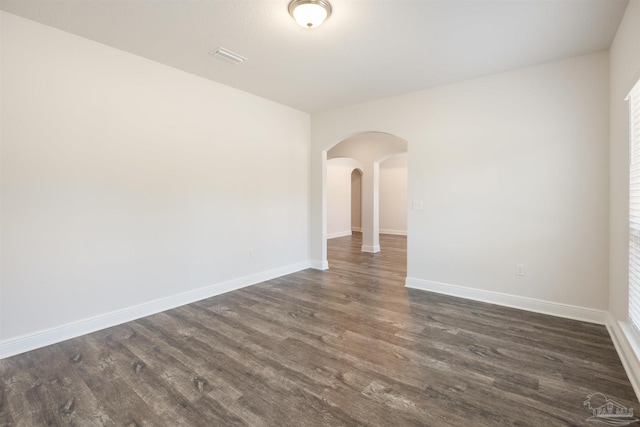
[
  {"x": 251, "y": 253},
  {"x": 519, "y": 269},
  {"x": 418, "y": 205}
]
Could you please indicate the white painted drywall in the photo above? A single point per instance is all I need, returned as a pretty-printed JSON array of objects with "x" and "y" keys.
[
  {"x": 393, "y": 195},
  {"x": 512, "y": 168},
  {"x": 125, "y": 181},
  {"x": 339, "y": 196},
  {"x": 625, "y": 71},
  {"x": 356, "y": 200}
]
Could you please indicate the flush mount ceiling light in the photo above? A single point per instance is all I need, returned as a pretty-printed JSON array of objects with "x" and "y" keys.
[{"x": 309, "y": 13}]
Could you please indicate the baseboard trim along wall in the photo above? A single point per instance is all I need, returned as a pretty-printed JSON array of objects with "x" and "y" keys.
[
  {"x": 627, "y": 345},
  {"x": 371, "y": 249},
  {"x": 43, "y": 338},
  {"x": 319, "y": 265},
  {"x": 394, "y": 232},
  {"x": 523, "y": 303},
  {"x": 339, "y": 234}
]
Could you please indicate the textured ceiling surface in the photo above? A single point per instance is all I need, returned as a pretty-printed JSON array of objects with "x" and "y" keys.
[{"x": 367, "y": 49}]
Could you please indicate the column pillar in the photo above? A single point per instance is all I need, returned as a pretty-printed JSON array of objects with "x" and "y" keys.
[{"x": 370, "y": 211}]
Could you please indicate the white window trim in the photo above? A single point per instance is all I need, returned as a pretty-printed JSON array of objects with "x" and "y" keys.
[{"x": 634, "y": 209}]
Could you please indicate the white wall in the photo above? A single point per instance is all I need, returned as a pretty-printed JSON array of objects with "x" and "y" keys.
[
  {"x": 339, "y": 196},
  {"x": 512, "y": 168},
  {"x": 126, "y": 181},
  {"x": 625, "y": 71},
  {"x": 393, "y": 195}
]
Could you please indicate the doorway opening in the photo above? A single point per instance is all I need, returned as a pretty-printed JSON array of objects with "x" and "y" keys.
[{"x": 374, "y": 171}]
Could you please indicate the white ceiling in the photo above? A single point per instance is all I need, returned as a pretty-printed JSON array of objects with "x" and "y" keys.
[{"x": 367, "y": 49}]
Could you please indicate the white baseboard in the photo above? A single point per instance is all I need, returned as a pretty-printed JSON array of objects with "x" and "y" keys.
[
  {"x": 338, "y": 234},
  {"x": 57, "y": 334},
  {"x": 625, "y": 340},
  {"x": 524, "y": 303},
  {"x": 357, "y": 229},
  {"x": 371, "y": 249},
  {"x": 394, "y": 232},
  {"x": 627, "y": 345},
  {"x": 319, "y": 265}
]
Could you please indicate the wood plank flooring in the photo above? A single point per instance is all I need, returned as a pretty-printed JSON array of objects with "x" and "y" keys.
[{"x": 346, "y": 347}]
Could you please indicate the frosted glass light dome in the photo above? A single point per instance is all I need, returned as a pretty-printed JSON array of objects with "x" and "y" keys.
[{"x": 309, "y": 13}]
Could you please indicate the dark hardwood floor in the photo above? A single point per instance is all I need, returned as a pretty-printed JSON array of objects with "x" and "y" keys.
[{"x": 346, "y": 347}]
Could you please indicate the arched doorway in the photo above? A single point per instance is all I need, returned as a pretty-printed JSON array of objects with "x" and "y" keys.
[{"x": 369, "y": 148}]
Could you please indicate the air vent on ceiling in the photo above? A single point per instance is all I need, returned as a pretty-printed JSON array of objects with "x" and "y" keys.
[{"x": 228, "y": 56}]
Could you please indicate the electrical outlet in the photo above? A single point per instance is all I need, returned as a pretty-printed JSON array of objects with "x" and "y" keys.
[
  {"x": 251, "y": 253},
  {"x": 519, "y": 269}
]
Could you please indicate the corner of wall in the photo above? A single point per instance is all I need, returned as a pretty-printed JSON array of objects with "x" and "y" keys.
[
  {"x": 628, "y": 347},
  {"x": 319, "y": 265}
]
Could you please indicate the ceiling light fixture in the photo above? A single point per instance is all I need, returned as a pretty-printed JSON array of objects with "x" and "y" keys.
[{"x": 309, "y": 13}]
